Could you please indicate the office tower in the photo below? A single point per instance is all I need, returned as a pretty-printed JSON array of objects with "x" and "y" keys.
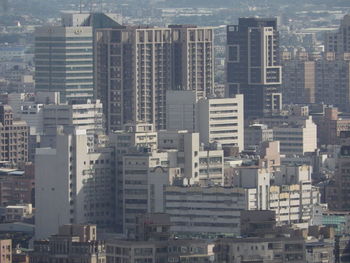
[
  {"x": 72, "y": 243},
  {"x": 14, "y": 137},
  {"x": 193, "y": 67},
  {"x": 143, "y": 63},
  {"x": 221, "y": 121},
  {"x": 64, "y": 61},
  {"x": 253, "y": 66},
  {"x": 64, "y": 55},
  {"x": 74, "y": 184},
  {"x": 338, "y": 41},
  {"x": 298, "y": 78}
]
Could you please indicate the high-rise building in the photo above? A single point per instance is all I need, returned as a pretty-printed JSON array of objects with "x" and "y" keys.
[
  {"x": 338, "y": 41},
  {"x": 333, "y": 80},
  {"x": 253, "y": 65},
  {"x": 193, "y": 59},
  {"x": 64, "y": 54},
  {"x": 143, "y": 63},
  {"x": 133, "y": 71},
  {"x": 64, "y": 61},
  {"x": 298, "y": 78}
]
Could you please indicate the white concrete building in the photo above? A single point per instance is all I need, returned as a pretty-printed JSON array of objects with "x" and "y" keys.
[
  {"x": 87, "y": 116},
  {"x": 18, "y": 212},
  {"x": 221, "y": 120},
  {"x": 293, "y": 204},
  {"x": 205, "y": 211},
  {"x": 200, "y": 164},
  {"x": 74, "y": 184},
  {"x": 145, "y": 175},
  {"x": 296, "y": 137}
]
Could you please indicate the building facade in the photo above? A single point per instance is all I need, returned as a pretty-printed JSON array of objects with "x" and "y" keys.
[
  {"x": 222, "y": 121},
  {"x": 64, "y": 61},
  {"x": 253, "y": 65},
  {"x": 75, "y": 184}
]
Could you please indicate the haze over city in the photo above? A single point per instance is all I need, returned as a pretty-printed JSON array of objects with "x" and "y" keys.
[{"x": 190, "y": 131}]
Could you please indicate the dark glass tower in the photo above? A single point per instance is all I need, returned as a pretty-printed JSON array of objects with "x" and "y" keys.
[{"x": 253, "y": 65}]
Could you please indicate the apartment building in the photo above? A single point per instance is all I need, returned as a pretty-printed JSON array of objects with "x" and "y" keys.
[
  {"x": 207, "y": 211},
  {"x": 221, "y": 121},
  {"x": 178, "y": 57},
  {"x": 337, "y": 193},
  {"x": 253, "y": 66},
  {"x": 14, "y": 137},
  {"x": 72, "y": 243},
  {"x": 333, "y": 80},
  {"x": 6, "y": 250},
  {"x": 193, "y": 54},
  {"x": 298, "y": 78},
  {"x": 329, "y": 128},
  {"x": 132, "y": 83},
  {"x": 17, "y": 185},
  {"x": 75, "y": 184},
  {"x": 293, "y": 204},
  {"x": 338, "y": 41}
]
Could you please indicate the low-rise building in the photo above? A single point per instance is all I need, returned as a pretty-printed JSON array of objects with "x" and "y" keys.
[
  {"x": 205, "y": 211},
  {"x": 73, "y": 243},
  {"x": 18, "y": 212},
  {"x": 258, "y": 249},
  {"x": 5, "y": 250}
]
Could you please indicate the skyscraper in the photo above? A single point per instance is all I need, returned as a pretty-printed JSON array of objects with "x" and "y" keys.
[
  {"x": 192, "y": 59},
  {"x": 135, "y": 66},
  {"x": 253, "y": 66},
  {"x": 133, "y": 71},
  {"x": 64, "y": 55},
  {"x": 64, "y": 61},
  {"x": 338, "y": 41}
]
